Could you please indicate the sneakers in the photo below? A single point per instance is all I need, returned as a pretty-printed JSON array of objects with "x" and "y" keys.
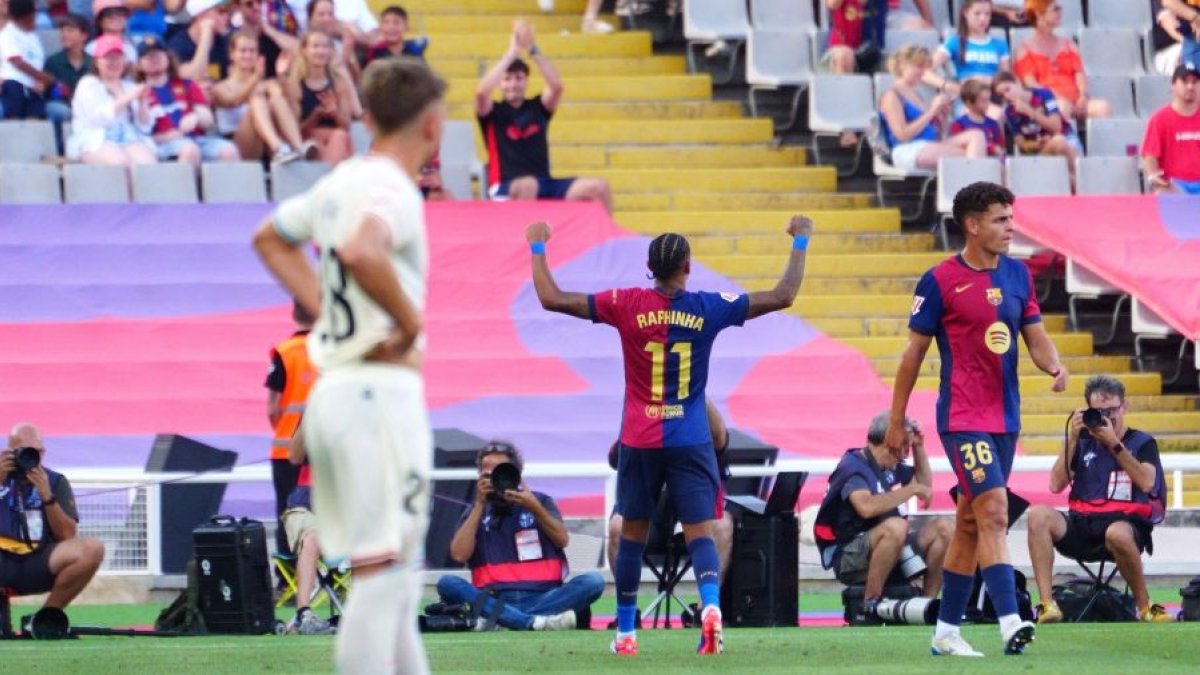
[
  {"x": 309, "y": 151},
  {"x": 624, "y": 646},
  {"x": 1021, "y": 635},
  {"x": 285, "y": 155},
  {"x": 1155, "y": 614},
  {"x": 306, "y": 622},
  {"x": 952, "y": 645},
  {"x": 1048, "y": 612},
  {"x": 597, "y": 27},
  {"x": 562, "y": 621},
  {"x": 711, "y": 640}
]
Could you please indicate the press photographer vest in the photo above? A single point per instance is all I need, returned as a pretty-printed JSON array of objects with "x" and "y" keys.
[
  {"x": 837, "y": 521},
  {"x": 498, "y": 563},
  {"x": 300, "y": 375},
  {"x": 1100, "y": 486},
  {"x": 13, "y": 522}
]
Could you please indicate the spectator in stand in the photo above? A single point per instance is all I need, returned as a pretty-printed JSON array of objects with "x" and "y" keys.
[
  {"x": 852, "y": 24},
  {"x": 112, "y": 18},
  {"x": 322, "y": 98},
  {"x": 1171, "y": 149},
  {"x": 1037, "y": 124},
  {"x": 179, "y": 112},
  {"x": 515, "y": 129},
  {"x": 393, "y": 24},
  {"x": 149, "y": 17},
  {"x": 591, "y": 13},
  {"x": 253, "y": 111},
  {"x": 203, "y": 49},
  {"x": 321, "y": 17},
  {"x": 912, "y": 127},
  {"x": 972, "y": 52},
  {"x": 1188, "y": 12},
  {"x": 24, "y": 84},
  {"x": 272, "y": 42},
  {"x": 109, "y": 112},
  {"x": 977, "y": 99},
  {"x": 909, "y": 15},
  {"x": 69, "y": 65},
  {"x": 283, "y": 17},
  {"x": 1167, "y": 37},
  {"x": 1047, "y": 60}
]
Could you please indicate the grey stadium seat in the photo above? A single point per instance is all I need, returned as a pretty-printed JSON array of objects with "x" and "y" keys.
[
  {"x": 360, "y": 137},
  {"x": 1119, "y": 14},
  {"x": 292, "y": 179},
  {"x": 707, "y": 21},
  {"x": 1031, "y": 176},
  {"x": 459, "y": 162},
  {"x": 838, "y": 103},
  {"x": 165, "y": 183},
  {"x": 1151, "y": 92},
  {"x": 95, "y": 184},
  {"x": 785, "y": 15},
  {"x": 29, "y": 184},
  {"x": 776, "y": 59},
  {"x": 1107, "y": 176},
  {"x": 1115, "y": 137},
  {"x": 1117, "y": 90},
  {"x": 1111, "y": 51},
  {"x": 233, "y": 183},
  {"x": 26, "y": 140},
  {"x": 929, "y": 38},
  {"x": 954, "y": 174}
]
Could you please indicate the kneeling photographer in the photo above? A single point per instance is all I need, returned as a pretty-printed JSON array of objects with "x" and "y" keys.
[
  {"x": 39, "y": 549},
  {"x": 862, "y": 525},
  {"x": 513, "y": 540},
  {"x": 1117, "y": 495}
]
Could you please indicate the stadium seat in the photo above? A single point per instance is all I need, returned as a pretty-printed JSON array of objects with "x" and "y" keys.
[
  {"x": 838, "y": 103},
  {"x": 292, "y": 179},
  {"x": 26, "y": 140},
  {"x": 1111, "y": 51},
  {"x": 1115, "y": 137},
  {"x": 165, "y": 183},
  {"x": 706, "y": 22},
  {"x": 95, "y": 184},
  {"x": 233, "y": 183},
  {"x": 886, "y": 173},
  {"x": 22, "y": 183},
  {"x": 1117, "y": 90},
  {"x": 1107, "y": 176},
  {"x": 1035, "y": 175},
  {"x": 782, "y": 15},
  {"x": 459, "y": 162},
  {"x": 1151, "y": 92},
  {"x": 1119, "y": 14},
  {"x": 1083, "y": 284},
  {"x": 894, "y": 39},
  {"x": 775, "y": 59},
  {"x": 360, "y": 137},
  {"x": 955, "y": 173},
  {"x": 1147, "y": 325}
]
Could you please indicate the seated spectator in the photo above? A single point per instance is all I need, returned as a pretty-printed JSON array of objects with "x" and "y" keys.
[
  {"x": 393, "y": 24},
  {"x": 203, "y": 48},
  {"x": 356, "y": 16},
  {"x": 977, "y": 100},
  {"x": 862, "y": 526},
  {"x": 179, "y": 112},
  {"x": 109, "y": 111},
  {"x": 1037, "y": 124},
  {"x": 1117, "y": 496},
  {"x": 322, "y": 98},
  {"x": 1188, "y": 12},
  {"x": 321, "y": 18},
  {"x": 519, "y": 167},
  {"x": 149, "y": 17},
  {"x": 1166, "y": 37},
  {"x": 300, "y": 524},
  {"x": 514, "y": 544},
  {"x": 1047, "y": 60},
  {"x": 272, "y": 42},
  {"x": 69, "y": 65},
  {"x": 972, "y": 52},
  {"x": 24, "y": 84},
  {"x": 1171, "y": 148},
  {"x": 40, "y": 547},
  {"x": 112, "y": 18},
  {"x": 591, "y": 12},
  {"x": 253, "y": 111},
  {"x": 913, "y": 128},
  {"x": 909, "y": 14},
  {"x": 855, "y": 37}
]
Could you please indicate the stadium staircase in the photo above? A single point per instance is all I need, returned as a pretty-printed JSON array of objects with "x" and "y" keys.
[{"x": 680, "y": 160}]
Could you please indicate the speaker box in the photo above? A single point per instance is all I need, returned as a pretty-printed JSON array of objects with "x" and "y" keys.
[
  {"x": 761, "y": 588},
  {"x": 234, "y": 576},
  {"x": 186, "y": 506},
  {"x": 452, "y": 449}
]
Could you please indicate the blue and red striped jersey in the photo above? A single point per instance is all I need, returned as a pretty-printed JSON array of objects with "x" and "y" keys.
[
  {"x": 976, "y": 317},
  {"x": 666, "y": 342}
]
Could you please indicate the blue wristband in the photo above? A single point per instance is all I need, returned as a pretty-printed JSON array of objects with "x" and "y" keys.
[
  {"x": 800, "y": 242},
  {"x": 538, "y": 248}
]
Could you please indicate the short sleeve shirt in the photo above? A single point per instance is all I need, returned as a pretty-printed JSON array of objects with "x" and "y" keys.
[{"x": 516, "y": 140}]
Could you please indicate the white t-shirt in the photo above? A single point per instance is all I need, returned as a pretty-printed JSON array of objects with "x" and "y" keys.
[
  {"x": 16, "y": 42},
  {"x": 350, "y": 323},
  {"x": 347, "y": 11}
]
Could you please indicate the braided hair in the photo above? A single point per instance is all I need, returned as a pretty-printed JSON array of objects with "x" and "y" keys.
[{"x": 668, "y": 254}]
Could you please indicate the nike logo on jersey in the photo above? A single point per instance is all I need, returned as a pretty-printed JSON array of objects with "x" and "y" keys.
[
  {"x": 517, "y": 134},
  {"x": 962, "y": 287}
]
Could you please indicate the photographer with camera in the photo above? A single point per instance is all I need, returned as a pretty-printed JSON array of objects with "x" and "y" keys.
[
  {"x": 39, "y": 549},
  {"x": 1117, "y": 495},
  {"x": 513, "y": 539},
  {"x": 862, "y": 525}
]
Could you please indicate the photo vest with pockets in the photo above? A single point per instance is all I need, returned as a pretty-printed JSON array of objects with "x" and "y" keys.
[
  {"x": 497, "y": 564},
  {"x": 1100, "y": 487},
  {"x": 837, "y": 521}
]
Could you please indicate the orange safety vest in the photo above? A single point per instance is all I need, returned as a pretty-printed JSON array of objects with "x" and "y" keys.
[{"x": 300, "y": 376}]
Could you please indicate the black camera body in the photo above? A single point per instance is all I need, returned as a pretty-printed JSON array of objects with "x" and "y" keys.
[
  {"x": 1092, "y": 418},
  {"x": 27, "y": 459},
  {"x": 505, "y": 476}
]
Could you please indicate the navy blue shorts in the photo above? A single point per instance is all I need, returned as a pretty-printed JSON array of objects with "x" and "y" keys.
[
  {"x": 548, "y": 188},
  {"x": 981, "y": 461},
  {"x": 689, "y": 472}
]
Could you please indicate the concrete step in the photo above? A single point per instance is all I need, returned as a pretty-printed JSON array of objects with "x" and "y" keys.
[
  {"x": 1135, "y": 383},
  {"x": 807, "y": 305},
  {"x": 890, "y": 327},
  {"x": 581, "y": 159},
  {"x": 590, "y": 66},
  {"x": 575, "y": 111},
  {"x": 1039, "y": 404},
  {"x": 718, "y": 180},
  {"x": 644, "y": 88},
  {"x": 1081, "y": 366},
  {"x": 830, "y": 265},
  {"x": 1154, "y": 422},
  {"x": 836, "y": 285},
  {"x": 1069, "y": 344},
  {"x": 1052, "y": 444},
  {"x": 704, "y": 245},
  {"x": 492, "y": 45},
  {"x": 700, "y": 201},
  {"x": 772, "y": 224},
  {"x": 523, "y": 7},
  {"x": 543, "y": 24},
  {"x": 661, "y": 132}
]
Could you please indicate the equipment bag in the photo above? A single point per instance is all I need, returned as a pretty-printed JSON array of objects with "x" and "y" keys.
[
  {"x": 1073, "y": 596},
  {"x": 980, "y": 609},
  {"x": 183, "y": 615},
  {"x": 1191, "y": 600}
]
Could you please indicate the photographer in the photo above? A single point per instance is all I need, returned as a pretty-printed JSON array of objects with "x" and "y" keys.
[
  {"x": 1117, "y": 495},
  {"x": 39, "y": 550},
  {"x": 862, "y": 524},
  {"x": 513, "y": 541}
]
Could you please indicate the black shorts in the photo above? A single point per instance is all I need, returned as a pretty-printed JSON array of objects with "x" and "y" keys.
[
  {"x": 1085, "y": 534},
  {"x": 27, "y": 574}
]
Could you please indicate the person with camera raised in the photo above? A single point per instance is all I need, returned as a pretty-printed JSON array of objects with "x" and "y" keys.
[
  {"x": 39, "y": 549},
  {"x": 862, "y": 525},
  {"x": 513, "y": 539},
  {"x": 1117, "y": 495}
]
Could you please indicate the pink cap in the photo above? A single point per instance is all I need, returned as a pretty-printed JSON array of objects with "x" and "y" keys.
[
  {"x": 107, "y": 44},
  {"x": 101, "y": 5}
]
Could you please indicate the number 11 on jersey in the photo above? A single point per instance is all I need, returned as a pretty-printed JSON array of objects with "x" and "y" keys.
[{"x": 658, "y": 368}]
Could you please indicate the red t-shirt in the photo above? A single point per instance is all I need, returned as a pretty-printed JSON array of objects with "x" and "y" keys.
[
  {"x": 1174, "y": 140},
  {"x": 846, "y": 24},
  {"x": 170, "y": 102}
]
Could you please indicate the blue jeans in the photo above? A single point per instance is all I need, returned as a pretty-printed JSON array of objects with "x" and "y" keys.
[{"x": 520, "y": 607}]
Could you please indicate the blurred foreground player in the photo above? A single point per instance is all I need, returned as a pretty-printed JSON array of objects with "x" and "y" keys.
[
  {"x": 667, "y": 333},
  {"x": 366, "y": 429}
]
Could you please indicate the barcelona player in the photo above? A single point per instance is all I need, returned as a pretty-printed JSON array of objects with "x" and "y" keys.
[
  {"x": 974, "y": 304},
  {"x": 667, "y": 333}
]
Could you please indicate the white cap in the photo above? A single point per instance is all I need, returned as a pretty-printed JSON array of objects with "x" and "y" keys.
[{"x": 197, "y": 7}]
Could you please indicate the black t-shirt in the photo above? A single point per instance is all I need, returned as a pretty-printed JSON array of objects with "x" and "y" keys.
[
  {"x": 270, "y": 53},
  {"x": 516, "y": 140},
  {"x": 184, "y": 48}
]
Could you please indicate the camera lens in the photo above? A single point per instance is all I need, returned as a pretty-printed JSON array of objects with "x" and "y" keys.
[{"x": 1093, "y": 418}]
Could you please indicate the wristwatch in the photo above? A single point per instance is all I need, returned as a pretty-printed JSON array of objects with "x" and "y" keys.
[
  {"x": 50, "y": 502},
  {"x": 1118, "y": 448}
]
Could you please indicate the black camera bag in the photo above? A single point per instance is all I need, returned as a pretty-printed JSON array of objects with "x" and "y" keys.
[
  {"x": 1191, "y": 600},
  {"x": 1073, "y": 596}
]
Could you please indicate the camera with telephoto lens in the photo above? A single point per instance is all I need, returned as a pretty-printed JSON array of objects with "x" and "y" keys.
[
  {"x": 1092, "y": 418},
  {"x": 909, "y": 612},
  {"x": 911, "y": 564},
  {"x": 26, "y": 460},
  {"x": 505, "y": 476}
]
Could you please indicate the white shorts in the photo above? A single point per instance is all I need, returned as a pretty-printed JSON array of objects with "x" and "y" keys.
[
  {"x": 904, "y": 156},
  {"x": 368, "y": 439}
]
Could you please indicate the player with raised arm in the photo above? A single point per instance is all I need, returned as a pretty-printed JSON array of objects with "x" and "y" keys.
[
  {"x": 366, "y": 429},
  {"x": 974, "y": 304},
  {"x": 667, "y": 333}
]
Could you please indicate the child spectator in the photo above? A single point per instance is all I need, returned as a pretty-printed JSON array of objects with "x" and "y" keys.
[
  {"x": 393, "y": 24},
  {"x": 112, "y": 18},
  {"x": 1047, "y": 60},
  {"x": 69, "y": 65},
  {"x": 1037, "y": 124},
  {"x": 972, "y": 51},
  {"x": 202, "y": 49},
  {"x": 24, "y": 83},
  {"x": 322, "y": 97},
  {"x": 977, "y": 98},
  {"x": 179, "y": 112},
  {"x": 109, "y": 111}
]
